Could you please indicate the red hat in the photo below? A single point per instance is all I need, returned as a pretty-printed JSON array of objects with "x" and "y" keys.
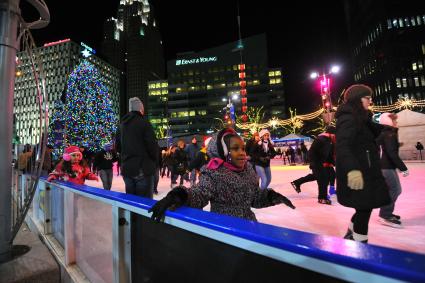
[{"x": 70, "y": 150}]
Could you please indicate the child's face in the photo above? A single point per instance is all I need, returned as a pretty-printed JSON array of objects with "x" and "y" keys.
[
  {"x": 237, "y": 152},
  {"x": 181, "y": 145},
  {"x": 76, "y": 157}
]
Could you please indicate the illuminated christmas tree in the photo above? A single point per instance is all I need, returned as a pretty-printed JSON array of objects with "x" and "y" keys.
[
  {"x": 56, "y": 130},
  {"x": 89, "y": 118}
]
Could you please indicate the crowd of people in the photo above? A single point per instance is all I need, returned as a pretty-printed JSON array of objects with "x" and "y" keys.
[{"x": 234, "y": 176}]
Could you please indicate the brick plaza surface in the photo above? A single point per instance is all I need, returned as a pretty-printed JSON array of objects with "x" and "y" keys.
[{"x": 309, "y": 216}]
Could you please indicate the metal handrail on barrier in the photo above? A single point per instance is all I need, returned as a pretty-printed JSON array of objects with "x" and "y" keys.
[{"x": 192, "y": 242}]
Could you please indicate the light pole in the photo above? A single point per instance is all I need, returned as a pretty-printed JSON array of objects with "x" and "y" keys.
[{"x": 325, "y": 92}]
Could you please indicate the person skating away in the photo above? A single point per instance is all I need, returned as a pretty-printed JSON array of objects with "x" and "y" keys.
[
  {"x": 192, "y": 149},
  {"x": 103, "y": 164},
  {"x": 249, "y": 147},
  {"x": 360, "y": 183},
  {"x": 304, "y": 152},
  {"x": 322, "y": 162},
  {"x": 168, "y": 161},
  {"x": 390, "y": 161},
  {"x": 228, "y": 182},
  {"x": 138, "y": 148},
  {"x": 72, "y": 168},
  {"x": 180, "y": 164},
  {"x": 291, "y": 151},
  {"x": 201, "y": 158},
  {"x": 262, "y": 152}
]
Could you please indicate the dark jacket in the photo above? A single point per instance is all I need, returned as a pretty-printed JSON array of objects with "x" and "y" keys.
[
  {"x": 250, "y": 144},
  {"x": 137, "y": 145},
  {"x": 180, "y": 161},
  {"x": 260, "y": 157},
  {"x": 200, "y": 160},
  {"x": 356, "y": 149},
  {"x": 388, "y": 141},
  {"x": 104, "y": 160},
  {"x": 192, "y": 149},
  {"x": 321, "y": 151}
]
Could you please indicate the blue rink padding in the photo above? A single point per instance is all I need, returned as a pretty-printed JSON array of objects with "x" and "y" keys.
[{"x": 332, "y": 256}]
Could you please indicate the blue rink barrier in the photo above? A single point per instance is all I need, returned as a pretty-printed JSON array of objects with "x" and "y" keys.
[{"x": 198, "y": 246}]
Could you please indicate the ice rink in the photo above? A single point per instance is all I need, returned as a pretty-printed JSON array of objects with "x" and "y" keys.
[{"x": 333, "y": 220}]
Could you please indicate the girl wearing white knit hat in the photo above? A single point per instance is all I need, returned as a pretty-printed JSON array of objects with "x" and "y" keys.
[{"x": 262, "y": 152}]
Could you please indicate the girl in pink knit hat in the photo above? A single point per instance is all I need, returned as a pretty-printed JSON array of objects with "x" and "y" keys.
[{"x": 72, "y": 168}]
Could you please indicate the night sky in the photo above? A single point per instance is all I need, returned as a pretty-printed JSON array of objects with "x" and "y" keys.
[{"x": 301, "y": 37}]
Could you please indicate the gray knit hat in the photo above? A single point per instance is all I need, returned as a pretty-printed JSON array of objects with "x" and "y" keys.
[{"x": 135, "y": 104}]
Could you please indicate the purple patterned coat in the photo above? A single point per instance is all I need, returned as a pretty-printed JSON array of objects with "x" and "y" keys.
[{"x": 231, "y": 193}]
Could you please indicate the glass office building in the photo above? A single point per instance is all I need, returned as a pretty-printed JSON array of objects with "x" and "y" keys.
[
  {"x": 388, "y": 47},
  {"x": 59, "y": 59},
  {"x": 200, "y": 86}
]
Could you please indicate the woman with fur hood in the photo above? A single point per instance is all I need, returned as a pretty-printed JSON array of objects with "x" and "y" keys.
[
  {"x": 360, "y": 183},
  {"x": 227, "y": 181}
]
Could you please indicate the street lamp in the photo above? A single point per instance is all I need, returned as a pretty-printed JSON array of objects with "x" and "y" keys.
[{"x": 325, "y": 92}]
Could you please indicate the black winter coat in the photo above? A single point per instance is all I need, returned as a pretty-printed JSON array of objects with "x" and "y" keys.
[
  {"x": 321, "y": 151},
  {"x": 356, "y": 149},
  {"x": 388, "y": 141},
  {"x": 137, "y": 145},
  {"x": 261, "y": 157},
  {"x": 180, "y": 161}
]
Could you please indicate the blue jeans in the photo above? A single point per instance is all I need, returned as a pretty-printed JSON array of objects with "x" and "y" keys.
[
  {"x": 394, "y": 186},
  {"x": 140, "y": 185},
  {"x": 265, "y": 175},
  {"x": 106, "y": 177}
]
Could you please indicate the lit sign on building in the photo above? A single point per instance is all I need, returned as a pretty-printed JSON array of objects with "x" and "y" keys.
[
  {"x": 180, "y": 62},
  {"x": 87, "y": 51},
  {"x": 56, "y": 42}
]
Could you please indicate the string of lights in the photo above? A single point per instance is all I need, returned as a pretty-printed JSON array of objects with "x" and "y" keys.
[
  {"x": 275, "y": 122},
  {"x": 402, "y": 103}
]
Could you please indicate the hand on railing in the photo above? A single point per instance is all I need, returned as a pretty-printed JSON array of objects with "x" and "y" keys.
[
  {"x": 51, "y": 178},
  {"x": 175, "y": 198}
]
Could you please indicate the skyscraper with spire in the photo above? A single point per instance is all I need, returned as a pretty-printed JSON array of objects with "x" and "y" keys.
[{"x": 132, "y": 43}]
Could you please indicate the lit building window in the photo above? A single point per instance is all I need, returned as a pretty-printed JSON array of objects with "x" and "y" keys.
[
  {"x": 400, "y": 22},
  {"x": 271, "y": 74},
  {"x": 404, "y": 82},
  {"x": 209, "y": 87},
  {"x": 277, "y": 73},
  {"x": 423, "y": 80},
  {"x": 416, "y": 79},
  {"x": 389, "y": 24},
  {"x": 278, "y": 80},
  {"x": 414, "y": 66},
  {"x": 398, "y": 83},
  {"x": 395, "y": 23},
  {"x": 420, "y": 66},
  {"x": 255, "y": 82},
  {"x": 164, "y": 84}
]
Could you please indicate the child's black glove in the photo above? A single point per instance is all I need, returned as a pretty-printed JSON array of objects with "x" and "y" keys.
[
  {"x": 175, "y": 198},
  {"x": 277, "y": 198}
]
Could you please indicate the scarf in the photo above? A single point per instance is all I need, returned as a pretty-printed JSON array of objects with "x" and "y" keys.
[{"x": 215, "y": 163}]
